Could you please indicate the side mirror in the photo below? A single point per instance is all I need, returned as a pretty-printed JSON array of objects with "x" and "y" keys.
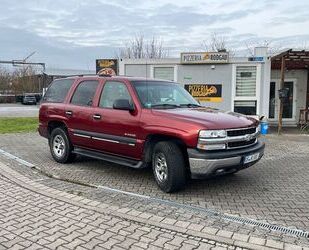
[{"x": 123, "y": 104}]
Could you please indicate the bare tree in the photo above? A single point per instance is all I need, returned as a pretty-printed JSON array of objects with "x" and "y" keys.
[
  {"x": 215, "y": 43},
  {"x": 5, "y": 80},
  {"x": 218, "y": 43},
  {"x": 24, "y": 80},
  {"x": 139, "y": 47},
  {"x": 272, "y": 47}
]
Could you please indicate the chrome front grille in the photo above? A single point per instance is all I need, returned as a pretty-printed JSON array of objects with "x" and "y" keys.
[
  {"x": 235, "y": 138},
  {"x": 244, "y": 137},
  {"x": 241, "y": 144},
  {"x": 238, "y": 132}
]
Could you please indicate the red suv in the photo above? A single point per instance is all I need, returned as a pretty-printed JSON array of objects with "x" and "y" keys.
[{"x": 139, "y": 122}]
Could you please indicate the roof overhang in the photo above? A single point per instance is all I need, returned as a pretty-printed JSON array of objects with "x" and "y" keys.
[{"x": 294, "y": 59}]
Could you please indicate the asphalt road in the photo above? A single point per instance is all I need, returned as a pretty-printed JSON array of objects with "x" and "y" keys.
[{"x": 18, "y": 110}]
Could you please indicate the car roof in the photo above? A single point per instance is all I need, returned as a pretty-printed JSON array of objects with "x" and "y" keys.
[{"x": 130, "y": 78}]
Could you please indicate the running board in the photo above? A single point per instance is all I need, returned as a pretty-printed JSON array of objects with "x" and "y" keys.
[{"x": 106, "y": 157}]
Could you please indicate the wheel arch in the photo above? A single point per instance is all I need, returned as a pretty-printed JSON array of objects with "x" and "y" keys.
[
  {"x": 55, "y": 124},
  {"x": 153, "y": 139}
]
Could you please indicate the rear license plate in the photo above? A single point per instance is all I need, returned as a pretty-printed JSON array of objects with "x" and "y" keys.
[{"x": 251, "y": 158}]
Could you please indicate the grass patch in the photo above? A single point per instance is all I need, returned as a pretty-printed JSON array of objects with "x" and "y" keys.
[{"x": 18, "y": 125}]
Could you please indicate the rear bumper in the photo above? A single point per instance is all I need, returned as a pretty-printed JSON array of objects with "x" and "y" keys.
[{"x": 204, "y": 164}]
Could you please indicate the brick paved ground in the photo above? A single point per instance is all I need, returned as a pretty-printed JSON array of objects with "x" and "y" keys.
[
  {"x": 29, "y": 220},
  {"x": 33, "y": 216},
  {"x": 274, "y": 190}
]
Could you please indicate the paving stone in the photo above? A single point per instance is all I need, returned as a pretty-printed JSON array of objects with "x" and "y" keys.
[
  {"x": 184, "y": 224},
  {"x": 196, "y": 227},
  {"x": 169, "y": 221},
  {"x": 257, "y": 240},
  {"x": 241, "y": 237},
  {"x": 258, "y": 192},
  {"x": 274, "y": 244},
  {"x": 288, "y": 246},
  {"x": 210, "y": 230},
  {"x": 225, "y": 233}
]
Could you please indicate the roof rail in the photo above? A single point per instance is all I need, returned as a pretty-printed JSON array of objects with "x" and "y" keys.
[{"x": 81, "y": 75}]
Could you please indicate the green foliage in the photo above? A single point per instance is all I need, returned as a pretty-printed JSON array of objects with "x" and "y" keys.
[{"x": 18, "y": 125}]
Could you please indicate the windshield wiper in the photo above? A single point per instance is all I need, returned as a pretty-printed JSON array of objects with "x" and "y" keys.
[
  {"x": 190, "y": 105},
  {"x": 165, "y": 105}
]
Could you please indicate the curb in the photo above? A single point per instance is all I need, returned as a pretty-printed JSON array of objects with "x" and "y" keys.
[{"x": 223, "y": 237}]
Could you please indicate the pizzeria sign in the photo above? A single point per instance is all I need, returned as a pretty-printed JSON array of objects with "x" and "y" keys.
[
  {"x": 205, "y": 92},
  {"x": 204, "y": 57},
  {"x": 107, "y": 67}
]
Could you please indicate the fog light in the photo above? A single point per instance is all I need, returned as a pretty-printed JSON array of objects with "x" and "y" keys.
[{"x": 211, "y": 146}]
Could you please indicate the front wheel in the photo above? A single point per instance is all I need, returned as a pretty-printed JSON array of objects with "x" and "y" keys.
[
  {"x": 168, "y": 166},
  {"x": 60, "y": 146}
]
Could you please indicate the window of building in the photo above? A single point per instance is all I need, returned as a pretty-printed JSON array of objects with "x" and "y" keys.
[
  {"x": 58, "y": 90},
  {"x": 84, "y": 93},
  {"x": 164, "y": 73},
  {"x": 245, "y": 107},
  {"x": 246, "y": 81},
  {"x": 112, "y": 91},
  {"x": 245, "y": 99}
]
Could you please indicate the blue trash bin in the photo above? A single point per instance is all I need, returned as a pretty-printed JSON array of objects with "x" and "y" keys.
[{"x": 264, "y": 127}]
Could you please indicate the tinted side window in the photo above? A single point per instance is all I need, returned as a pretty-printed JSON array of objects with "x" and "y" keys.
[
  {"x": 58, "y": 90},
  {"x": 84, "y": 93},
  {"x": 113, "y": 91}
]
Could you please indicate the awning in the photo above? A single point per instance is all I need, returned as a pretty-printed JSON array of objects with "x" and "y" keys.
[{"x": 294, "y": 59}]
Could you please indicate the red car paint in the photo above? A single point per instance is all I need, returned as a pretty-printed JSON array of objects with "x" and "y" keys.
[{"x": 184, "y": 123}]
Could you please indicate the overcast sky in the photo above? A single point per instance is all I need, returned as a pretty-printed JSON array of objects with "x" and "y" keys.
[{"x": 73, "y": 33}]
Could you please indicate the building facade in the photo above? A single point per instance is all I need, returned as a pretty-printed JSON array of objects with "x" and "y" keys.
[{"x": 246, "y": 85}]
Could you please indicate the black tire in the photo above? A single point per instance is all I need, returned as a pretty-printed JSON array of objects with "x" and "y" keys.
[
  {"x": 60, "y": 146},
  {"x": 175, "y": 169}
]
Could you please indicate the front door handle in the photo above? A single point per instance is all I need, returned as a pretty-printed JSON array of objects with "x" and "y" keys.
[
  {"x": 96, "y": 116},
  {"x": 69, "y": 112}
]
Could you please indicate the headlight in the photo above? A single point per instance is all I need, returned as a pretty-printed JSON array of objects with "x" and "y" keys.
[
  {"x": 207, "y": 140},
  {"x": 212, "y": 134}
]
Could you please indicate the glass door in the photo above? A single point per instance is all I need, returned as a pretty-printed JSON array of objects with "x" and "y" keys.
[
  {"x": 288, "y": 103},
  {"x": 274, "y": 102}
]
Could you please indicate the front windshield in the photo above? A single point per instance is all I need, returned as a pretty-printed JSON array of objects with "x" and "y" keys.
[{"x": 160, "y": 94}]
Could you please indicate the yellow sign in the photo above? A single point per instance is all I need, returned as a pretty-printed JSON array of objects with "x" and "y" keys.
[
  {"x": 106, "y": 63},
  {"x": 205, "y": 92}
]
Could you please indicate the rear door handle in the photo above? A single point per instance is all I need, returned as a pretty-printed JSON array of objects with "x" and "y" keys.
[
  {"x": 69, "y": 112},
  {"x": 96, "y": 116}
]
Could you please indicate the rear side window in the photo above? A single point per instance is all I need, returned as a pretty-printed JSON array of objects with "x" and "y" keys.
[
  {"x": 58, "y": 90},
  {"x": 84, "y": 93},
  {"x": 113, "y": 91}
]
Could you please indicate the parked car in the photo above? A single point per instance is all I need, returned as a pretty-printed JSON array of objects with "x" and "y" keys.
[
  {"x": 139, "y": 122},
  {"x": 29, "y": 99}
]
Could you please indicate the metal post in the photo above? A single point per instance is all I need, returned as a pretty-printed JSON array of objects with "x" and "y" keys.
[{"x": 280, "y": 100}]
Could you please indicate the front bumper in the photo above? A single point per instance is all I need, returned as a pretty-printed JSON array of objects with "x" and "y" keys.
[{"x": 205, "y": 163}]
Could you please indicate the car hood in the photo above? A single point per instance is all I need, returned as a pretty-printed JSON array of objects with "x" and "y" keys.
[{"x": 208, "y": 118}]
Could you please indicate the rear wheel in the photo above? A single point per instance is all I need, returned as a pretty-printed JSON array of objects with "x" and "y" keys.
[
  {"x": 168, "y": 166},
  {"x": 60, "y": 146}
]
